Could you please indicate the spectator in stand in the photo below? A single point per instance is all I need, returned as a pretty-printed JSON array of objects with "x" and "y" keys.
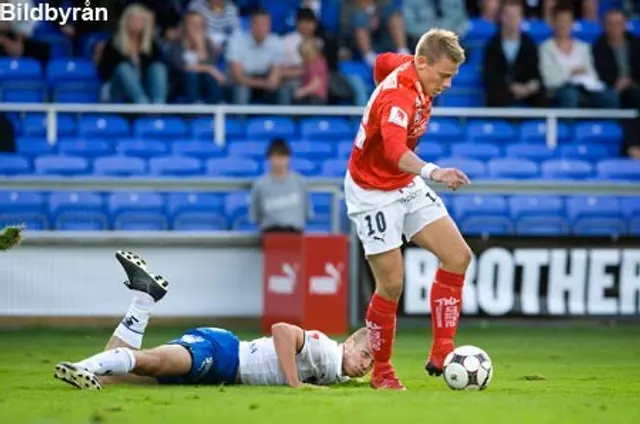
[
  {"x": 510, "y": 64},
  {"x": 617, "y": 59},
  {"x": 16, "y": 40},
  {"x": 543, "y": 9},
  {"x": 193, "y": 58},
  {"x": 255, "y": 59},
  {"x": 314, "y": 89},
  {"x": 222, "y": 19},
  {"x": 167, "y": 15},
  {"x": 567, "y": 69},
  {"x": 422, "y": 15},
  {"x": 280, "y": 200},
  {"x": 375, "y": 26},
  {"x": 490, "y": 10},
  {"x": 130, "y": 63}
]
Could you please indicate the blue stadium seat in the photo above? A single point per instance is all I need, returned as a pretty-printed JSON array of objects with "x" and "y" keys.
[
  {"x": 314, "y": 129},
  {"x": 177, "y": 166},
  {"x": 536, "y": 29},
  {"x": 132, "y": 211},
  {"x": 571, "y": 169},
  {"x": 85, "y": 92},
  {"x": 70, "y": 71},
  {"x": 198, "y": 149},
  {"x": 444, "y": 130},
  {"x": 513, "y": 168},
  {"x": 270, "y": 127},
  {"x": 304, "y": 166},
  {"x": 630, "y": 210},
  {"x": 61, "y": 165},
  {"x": 537, "y": 152},
  {"x": 35, "y": 125},
  {"x": 538, "y": 215},
  {"x": 244, "y": 225},
  {"x": 490, "y": 131},
  {"x": 485, "y": 215},
  {"x": 619, "y": 169},
  {"x": 84, "y": 148},
  {"x": 595, "y": 215},
  {"x": 334, "y": 168},
  {"x": 473, "y": 168},
  {"x": 345, "y": 148},
  {"x": 252, "y": 149},
  {"x": 461, "y": 97},
  {"x": 479, "y": 151},
  {"x": 197, "y": 211},
  {"x": 78, "y": 211},
  {"x": 605, "y": 132},
  {"x": 119, "y": 166},
  {"x": 358, "y": 69},
  {"x": 166, "y": 128},
  {"x": 236, "y": 205},
  {"x": 586, "y": 31},
  {"x": 142, "y": 148},
  {"x": 13, "y": 164},
  {"x": 468, "y": 77},
  {"x": 104, "y": 126},
  {"x": 587, "y": 152},
  {"x": 479, "y": 32},
  {"x": 21, "y": 80},
  {"x": 233, "y": 167},
  {"x": 535, "y": 131},
  {"x": 312, "y": 149},
  {"x": 33, "y": 146},
  {"x": 431, "y": 150},
  {"x": 202, "y": 129},
  {"x": 26, "y": 208}
]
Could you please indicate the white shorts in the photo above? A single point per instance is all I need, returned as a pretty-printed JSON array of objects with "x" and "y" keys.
[{"x": 383, "y": 217}]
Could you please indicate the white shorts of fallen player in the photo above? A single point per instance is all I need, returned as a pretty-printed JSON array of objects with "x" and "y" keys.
[{"x": 383, "y": 217}]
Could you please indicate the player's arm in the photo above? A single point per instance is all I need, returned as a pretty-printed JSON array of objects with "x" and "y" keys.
[{"x": 288, "y": 340}]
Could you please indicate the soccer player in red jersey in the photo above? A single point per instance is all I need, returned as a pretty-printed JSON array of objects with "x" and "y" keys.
[{"x": 387, "y": 198}]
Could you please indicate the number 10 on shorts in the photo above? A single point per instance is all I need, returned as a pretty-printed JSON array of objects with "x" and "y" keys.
[{"x": 375, "y": 223}]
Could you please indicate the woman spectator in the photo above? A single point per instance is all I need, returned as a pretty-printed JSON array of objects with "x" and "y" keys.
[
  {"x": 131, "y": 61},
  {"x": 315, "y": 75},
  {"x": 194, "y": 57}
]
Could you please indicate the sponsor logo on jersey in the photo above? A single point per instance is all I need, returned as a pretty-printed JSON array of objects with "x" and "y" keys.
[{"x": 399, "y": 117}]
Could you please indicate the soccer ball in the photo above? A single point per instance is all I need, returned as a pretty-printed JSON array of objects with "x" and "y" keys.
[{"x": 468, "y": 368}]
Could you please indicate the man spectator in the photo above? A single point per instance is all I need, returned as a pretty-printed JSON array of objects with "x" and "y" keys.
[
  {"x": 279, "y": 200},
  {"x": 510, "y": 64},
  {"x": 617, "y": 58},
  {"x": 222, "y": 19},
  {"x": 567, "y": 70},
  {"x": 422, "y": 15},
  {"x": 15, "y": 37},
  {"x": 256, "y": 62},
  {"x": 543, "y": 9},
  {"x": 375, "y": 26}
]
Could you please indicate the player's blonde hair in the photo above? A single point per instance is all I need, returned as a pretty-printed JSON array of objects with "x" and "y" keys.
[
  {"x": 436, "y": 43},
  {"x": 359, "y": 336}
]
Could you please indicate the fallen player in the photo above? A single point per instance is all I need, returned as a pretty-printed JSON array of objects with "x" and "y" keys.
[{"x": 290, "y": 356}]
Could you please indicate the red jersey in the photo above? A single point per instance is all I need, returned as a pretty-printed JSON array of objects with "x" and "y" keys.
[{"x": 393, "y": 121}]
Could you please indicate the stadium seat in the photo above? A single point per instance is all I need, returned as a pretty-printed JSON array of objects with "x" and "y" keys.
[
  {"x": 143, "y": 149},
  {"x": 233, "y": 167},
  {"x": 515, "y": 168},
  {"x": 328, "y": 129},
  {"x": 85, "y": 92},
  {"x": 270, "y": 127},
  {"x": 537, "y": 152},
  {"x": 490, "y": 131},
  {"x": 588, "y": 152},
  {"x": 177, "y": 166},
  {"x": 321, "y": 204},
  {"x": 538, "y": 215},
  {"x": 243, "y": 224},
  {"x": 35, "y": 125},
  {"x": 197, "y": 149},
  {"x": 103, "y": 126},
  {"x": 302, "y": 166},
  {"x": 167, "y": 128},
  {"x": 119, "y": 166},
  {"x": 70, "y": 71},
  {"x": 334, "y": 168},
  {"x": 431, "y": 150},
  {"x": 479, "y": 32},
  {"x": 357, "y": 69},
  {"x": 478, "y": 151},
  {"x": 197, "y": 211},
  {"x": 605, "y": 132},
  {"x": 84, "y": 148},
  {"x": 252, "y": 149},
  {"x": 586, "y": 31},
  {"x": 67, "y": 166},
  {"x": 315, "y": 150},
  {"x": 202, "y": 129},
  {"x": 444, "y": 130},
  {"x": 473, "y": 168},
  {"x": 132, "y": 211},
  {"x": 566, "y": 169},
  {"x": 487, "y": 225},
  {"x": 344, "y": 148},
  {"x": 236, "y": 205},
  {"x": 467, "y": 77},
  {"x": 21, "y": 80},
  {"x": 78, "y": 211},
  {"x": 12, "y": 164},
  {"x": 461, "y": 97},
  {"x": 33, "y": 146},
  {"x": 23, "y": 208},
  {"x": 595, "y": 215},
  {"x": 482, "y": 215},
  {"x": 536, "y": 29},
  {"x": 619, "y": 169},
  {"x": 630, "y": 207},
  {"x": 535, "y": 131}
]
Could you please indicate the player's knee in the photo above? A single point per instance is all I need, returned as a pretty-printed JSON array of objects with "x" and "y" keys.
[
  {"x": 459, "y": 260},
  {"x": 148, "y": 364}
]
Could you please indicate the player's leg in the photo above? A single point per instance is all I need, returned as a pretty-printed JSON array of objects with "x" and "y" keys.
[
  {"x": 381, "y": 234},
  {"x": 427, "y": 226}
]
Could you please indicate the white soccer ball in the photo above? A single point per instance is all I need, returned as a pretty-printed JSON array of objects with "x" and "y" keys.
[{"x": 468, "y": 368}]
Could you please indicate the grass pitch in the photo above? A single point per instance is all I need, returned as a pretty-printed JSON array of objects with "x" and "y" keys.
[{"x": 542, "y": 375}]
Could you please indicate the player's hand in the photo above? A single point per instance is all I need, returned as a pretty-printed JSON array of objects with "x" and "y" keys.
[{"x": 452, "y": 177}]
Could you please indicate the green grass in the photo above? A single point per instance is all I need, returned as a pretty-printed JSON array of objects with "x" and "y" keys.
[{"x": 582, "y": 375}]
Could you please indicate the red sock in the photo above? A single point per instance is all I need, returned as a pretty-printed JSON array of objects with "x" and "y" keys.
[
  {"x": 381, "y": 326},
  {"x": 446, "y": 302}
]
